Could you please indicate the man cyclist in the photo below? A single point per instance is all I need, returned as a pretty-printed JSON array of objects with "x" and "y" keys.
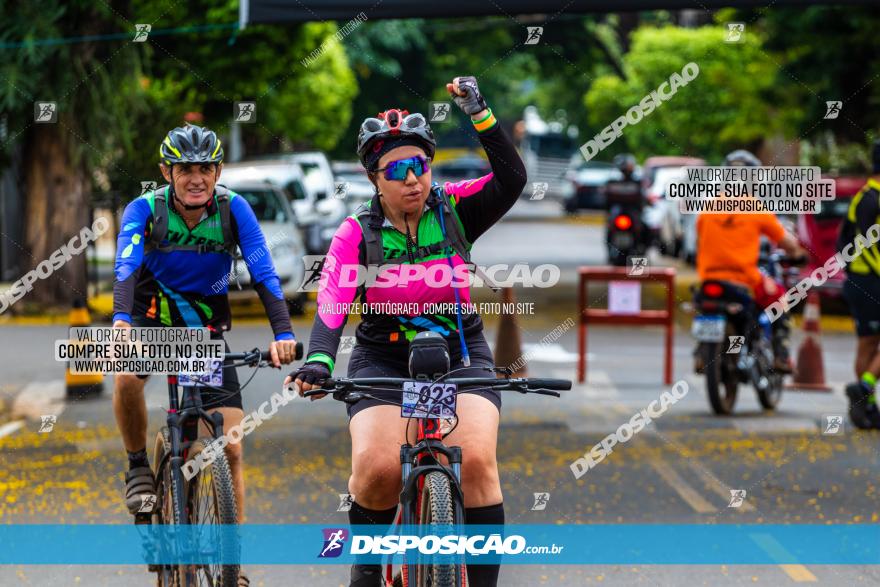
[
  {"x": 409, "y": 223},
  {"x": 862, "y": 291},
  {"x": 181, "y": 281},
  {"x": 728, "y": 247}
]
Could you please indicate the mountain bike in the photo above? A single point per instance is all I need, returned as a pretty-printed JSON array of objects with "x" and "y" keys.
[
  {"x": 206, "y": 499},
  {"x": 431, "y": 498}
]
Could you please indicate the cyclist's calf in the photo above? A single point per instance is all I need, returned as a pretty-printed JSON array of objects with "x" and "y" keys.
[{"x": 130, "y": 410}]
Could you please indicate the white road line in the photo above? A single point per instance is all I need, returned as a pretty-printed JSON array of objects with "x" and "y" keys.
[
  {"x": 41, "y": 398},
  {"x": 690, "y": 495},
  {"x": 10, "y": 427},
  {"x": 718, "y": 487}
]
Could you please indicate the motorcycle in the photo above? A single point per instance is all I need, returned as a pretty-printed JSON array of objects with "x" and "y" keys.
[
  {"x": 735, "y": 340},
  {"x": 625, "y": 232}
]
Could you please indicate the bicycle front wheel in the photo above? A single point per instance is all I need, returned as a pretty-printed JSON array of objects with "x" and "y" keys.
[
  {"x": 210, "y": 503},
  {"x": 165, "y": 511},
  {"x": 438, "y": 511}
]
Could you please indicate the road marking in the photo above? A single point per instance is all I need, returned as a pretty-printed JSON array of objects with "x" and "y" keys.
[
  {"x": 41, "y": 398},
  {"x": 10, "y": 427},
  {"x": 718, "y": 487},
  {"x": 797, "y": 573},
  {"x": 684, "y": 490}
]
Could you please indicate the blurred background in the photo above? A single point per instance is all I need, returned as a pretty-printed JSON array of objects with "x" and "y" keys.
[{"x": 311, "y": 83}]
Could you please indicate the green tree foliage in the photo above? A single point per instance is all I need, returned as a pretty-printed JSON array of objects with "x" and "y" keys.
[
  {"x": 737, "y": 100},
  {"x": 299, "y": 102}
]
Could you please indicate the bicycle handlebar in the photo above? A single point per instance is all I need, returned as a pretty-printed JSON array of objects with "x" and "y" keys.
[
  {"x": 340, "y": 388},
  {"x": 254, "y": 356}
]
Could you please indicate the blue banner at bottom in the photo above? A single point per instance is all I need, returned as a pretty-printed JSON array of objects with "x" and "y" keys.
[{"x": 641, "y": 544}]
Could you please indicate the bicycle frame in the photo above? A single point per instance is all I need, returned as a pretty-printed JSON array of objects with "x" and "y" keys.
[
  {"x": 183, "y": 428},
  {"x": 429, "y": 441}
]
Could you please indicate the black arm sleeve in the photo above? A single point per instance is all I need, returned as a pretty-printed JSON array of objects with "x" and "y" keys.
[{"x": 482, "y": 209}]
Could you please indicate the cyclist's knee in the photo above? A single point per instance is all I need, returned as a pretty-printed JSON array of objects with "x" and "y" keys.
[
  {"x": 126, "y": 383},
  {"x": 479, "y": 467},
  {"x": 375, "y": 474}
]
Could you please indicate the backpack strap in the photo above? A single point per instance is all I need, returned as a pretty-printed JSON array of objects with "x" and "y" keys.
[
  {"x": 160, "y": 225},
  {"x": 371, "y": 226},
  {"x": 229, "y": 244},
  {"x": 439, "y": 200},
  {"x": 160, "y": 220}
]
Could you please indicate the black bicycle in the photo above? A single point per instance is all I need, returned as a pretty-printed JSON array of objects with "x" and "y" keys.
[
  {"x": 207, "y": 498},
  {"x": 431, "y": 493}
]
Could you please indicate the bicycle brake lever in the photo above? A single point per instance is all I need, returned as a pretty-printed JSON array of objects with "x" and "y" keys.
[{"x": 546, "y": 392}]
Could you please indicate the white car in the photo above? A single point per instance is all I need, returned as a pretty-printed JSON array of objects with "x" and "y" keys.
[
  {"x": 351, "y": 179},
  {"x": 665, "y": 215},
  {"x": 284, "y": 242},
  {"x": 318, "y": 214}
]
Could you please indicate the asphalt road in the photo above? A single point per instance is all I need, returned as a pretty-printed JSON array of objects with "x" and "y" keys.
[{"x": 679, "y": 470}]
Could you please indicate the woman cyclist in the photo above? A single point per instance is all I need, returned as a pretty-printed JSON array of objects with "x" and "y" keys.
[{"x": 403, "y": 225}]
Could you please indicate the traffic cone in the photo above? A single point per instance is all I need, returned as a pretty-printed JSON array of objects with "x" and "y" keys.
[
  {"x": 809, "y": 371},
  {"x": 81, "y": 385},
  {"x": 508, "y": 347}
]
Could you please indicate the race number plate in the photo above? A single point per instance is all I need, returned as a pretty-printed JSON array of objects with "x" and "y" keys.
[
  {"x": 709, "y": 328},
  {"x": 214, "y": 378},
  {"x": 422, "y": 399}
]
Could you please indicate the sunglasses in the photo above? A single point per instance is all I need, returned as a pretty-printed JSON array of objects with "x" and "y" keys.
[{"x": 398, "y": 170}]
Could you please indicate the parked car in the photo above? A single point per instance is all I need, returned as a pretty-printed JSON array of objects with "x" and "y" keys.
[
  {"x": 653, "y": 164},
  {"x": 461, "y": 168},
  {"x": 669, "y": 221},
  {"x": 587, "y": 179},
  {"x": 818, "y": 232},
  {"x": 284, "y": 240},
  {"x": 318, "y": 217},
  {"x": 317, "y": 172},
  {"x": 657, "y": 173},
  {"x": 357, "y": 187}
]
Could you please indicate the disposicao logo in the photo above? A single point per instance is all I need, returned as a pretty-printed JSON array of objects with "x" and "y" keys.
[{"x": 334, "y": 540}]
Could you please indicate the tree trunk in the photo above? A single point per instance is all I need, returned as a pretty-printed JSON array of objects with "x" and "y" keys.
[{"x": 56, "y": 209}]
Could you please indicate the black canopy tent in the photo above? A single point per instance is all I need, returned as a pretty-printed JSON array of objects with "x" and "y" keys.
[{"x": 279, "y": 11}]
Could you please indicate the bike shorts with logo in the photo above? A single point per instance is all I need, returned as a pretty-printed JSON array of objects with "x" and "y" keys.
[
  {"x": 862, "y": 293},
  {"x": 376, "y": 361},
  {"x": 229, "y": 397}
]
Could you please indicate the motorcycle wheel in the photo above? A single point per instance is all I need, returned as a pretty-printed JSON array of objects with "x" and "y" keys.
[
  {"x": 771, "y": 396},
  {"x": 721, "y": 381}
]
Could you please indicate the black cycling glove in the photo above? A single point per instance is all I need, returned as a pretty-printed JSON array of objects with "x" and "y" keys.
[
  {"x": 311, "y": 373},
  {"x": 472, "y": 102}
]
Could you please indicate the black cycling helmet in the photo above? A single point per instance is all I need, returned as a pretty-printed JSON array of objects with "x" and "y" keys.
[
  {"x": 625, "y": 162},
  {"x": 191, "y": 144},
  {"x": 742, "y": 158},
  {"x": 396, "y": 124}
]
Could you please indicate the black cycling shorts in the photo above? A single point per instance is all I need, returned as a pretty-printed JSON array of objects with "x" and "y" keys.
[
  {"x": 229, "y": 397},
  {"x": 376, "y": 361},
  {"x": 862, "y": 292}
]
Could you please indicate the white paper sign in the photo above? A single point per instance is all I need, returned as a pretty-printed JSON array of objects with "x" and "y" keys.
[{"x": 624, "y": 297}]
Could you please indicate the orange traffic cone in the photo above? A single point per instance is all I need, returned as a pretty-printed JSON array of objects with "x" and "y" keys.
[
  {"x": 508, "y": 347},
  {"x": 809, "y": 371},
  {"x": 82, "y": 385}
]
